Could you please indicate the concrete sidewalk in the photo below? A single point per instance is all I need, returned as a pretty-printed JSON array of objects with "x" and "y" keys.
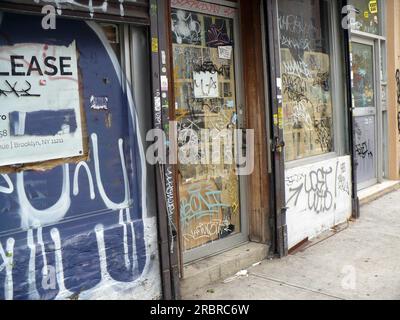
[{"x": 362, "y": 261}]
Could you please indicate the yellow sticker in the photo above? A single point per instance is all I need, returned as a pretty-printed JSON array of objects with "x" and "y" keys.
[
  {"x": 373, "y": 6},
  {"x": 276, "y": 122},
  {"x": 154, "y": 45},
  {"x": 366, "y": 14},
  {"x": 280, "y": 117}
]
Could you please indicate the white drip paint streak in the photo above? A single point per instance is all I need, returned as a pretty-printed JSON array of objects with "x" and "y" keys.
[
  {"x": 8, "y": 287},
  {"x": 55, "y": 236},
  {"x": 130, "y": 222},
  {"x": 99, "y": 229},
  {"x": 41, "y": 244},
  {"x": 90, "y": 7},
  {"x": 8, "y": 258},
  {"x": 121, "y": 8},
  {"x": 110, "y": 204},
  {"x": 3, "y": 257},
  {"x": 33, "y": 294},
  {"x": 90, "y": 179},
  {"x": 125, "y": 240}
]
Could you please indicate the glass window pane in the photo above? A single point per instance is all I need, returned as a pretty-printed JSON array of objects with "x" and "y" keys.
[
  {"x": 363, "y": 75},
  {"x": 306, "y": 78},
  {"x": 367, "y": 16}
]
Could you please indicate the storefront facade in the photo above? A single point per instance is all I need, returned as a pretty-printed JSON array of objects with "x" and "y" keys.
[
  {"x": 302, "y": 87},
  {"x": 318, "y": 168},
  {"x": 93, "y": 218}
]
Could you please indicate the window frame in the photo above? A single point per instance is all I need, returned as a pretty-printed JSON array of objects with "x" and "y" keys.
[{"x": 340, "y": 139}]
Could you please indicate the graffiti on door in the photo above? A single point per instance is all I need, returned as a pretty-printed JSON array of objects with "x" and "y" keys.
[
  {"x": 365, "y": 148},
  {"x": 81, "y": 230}
]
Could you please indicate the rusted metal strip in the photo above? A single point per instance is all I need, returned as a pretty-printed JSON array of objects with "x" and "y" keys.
[
  {"x": 130, "y": 12},
  {"x": 167, "y": 228},
  {"x": 280, "y": 243}
]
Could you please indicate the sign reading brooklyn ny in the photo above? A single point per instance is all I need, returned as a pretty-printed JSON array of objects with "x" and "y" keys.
[{"x": 40, "y": 116}]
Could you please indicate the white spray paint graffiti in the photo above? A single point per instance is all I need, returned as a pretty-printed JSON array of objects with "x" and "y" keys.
[
  {"x": 86, "y": 5},
  {"x": 33, "y": 218},
  {"x": 185, "y": 27},
  {"x": 170, "y": 206},
  {"x": 301, "y": 115},
  {"x": 297, "y": 68},
  {"x": 7, "y": 257},
  {"x": 110, "y": 205},
  {"x": 318, "y": 197},
  {"x": 84, "y": 165},
  {"x": 89, "y": 6},
  {"x": 30, "y": 216},
  {"x": 147, "y": 285},
  {"x": 10, "y": 188}
]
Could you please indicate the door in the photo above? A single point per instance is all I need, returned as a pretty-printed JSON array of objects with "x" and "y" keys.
[
  {"x": 207, "y": 100},
  {"x": 365, "y": 111}
]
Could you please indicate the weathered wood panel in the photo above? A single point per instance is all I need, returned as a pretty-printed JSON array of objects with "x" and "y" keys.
[{"x": 258, "y": 182}]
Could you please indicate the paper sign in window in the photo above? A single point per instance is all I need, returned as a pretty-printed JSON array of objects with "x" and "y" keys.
[
  {"x": 40, "y": 112},
  {"x": 205, "y": 85}
]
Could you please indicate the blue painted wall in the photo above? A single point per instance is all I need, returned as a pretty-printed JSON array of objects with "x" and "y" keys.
[{"x": 80, "y": 231}]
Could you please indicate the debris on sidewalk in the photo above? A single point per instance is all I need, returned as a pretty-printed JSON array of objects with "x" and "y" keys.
[
  {"x": 256, "y": 264},
  {"x": 240, "y": 274}
]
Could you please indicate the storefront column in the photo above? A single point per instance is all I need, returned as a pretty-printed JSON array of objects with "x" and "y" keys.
[
  {"x": 393, "y": 65},
  {"x": 256, "y": 119}
]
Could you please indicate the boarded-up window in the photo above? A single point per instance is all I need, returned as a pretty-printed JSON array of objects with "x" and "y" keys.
[{"x": 306, "y": 78}]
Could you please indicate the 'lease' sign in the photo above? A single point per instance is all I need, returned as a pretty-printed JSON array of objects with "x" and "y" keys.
[{"x": 40, "y": 116}]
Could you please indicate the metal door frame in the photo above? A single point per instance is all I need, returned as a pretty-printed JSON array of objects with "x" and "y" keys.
[
  {"x": 380, "y": 83},
  {"x": 376, "y": 111},
  {"x": 221, "y": 245},
  {"x": 274, "y": 105},
  {"x": 167, "y": 239}
]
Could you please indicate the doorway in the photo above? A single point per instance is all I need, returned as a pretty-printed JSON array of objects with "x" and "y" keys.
[
  {"x": 365, "y": 111},
  {"x": 206, "y": 66}
]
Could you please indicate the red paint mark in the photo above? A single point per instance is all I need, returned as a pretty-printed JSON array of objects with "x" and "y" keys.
[
  {"x": 205, "y": 7},
  {"x": 63, "y": 78},
  {"x": 45, "y": 48}
]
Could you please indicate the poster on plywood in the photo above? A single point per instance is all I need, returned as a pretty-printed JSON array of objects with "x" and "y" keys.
[{"x": 40, "y": 116}]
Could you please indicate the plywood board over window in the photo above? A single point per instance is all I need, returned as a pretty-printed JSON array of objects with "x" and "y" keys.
[{"x": 306, "y": 79}]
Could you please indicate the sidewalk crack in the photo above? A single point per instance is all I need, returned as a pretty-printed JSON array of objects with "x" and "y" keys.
[{"x": 295, "y": 286}]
